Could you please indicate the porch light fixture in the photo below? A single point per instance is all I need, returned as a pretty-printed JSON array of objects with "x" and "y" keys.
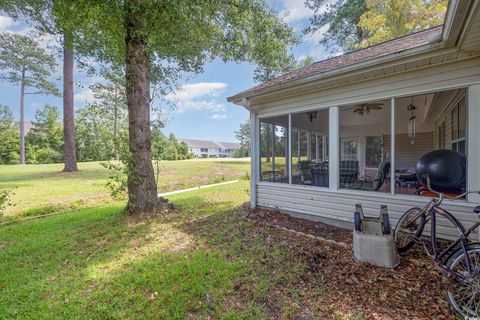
[
  {"x": 412, "y": 122},
  {"x": 312, "y": 115}
]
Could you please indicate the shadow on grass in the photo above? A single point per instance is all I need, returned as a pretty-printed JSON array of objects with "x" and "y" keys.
[{"x": 204, "y": 260}]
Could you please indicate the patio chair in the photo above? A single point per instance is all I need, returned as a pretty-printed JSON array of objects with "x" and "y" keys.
[
  {"x": 348, "y": 171},
  {"x": 320, "y": 175},
  {"x": 304, "y": 171},
  {"x": 375, "y": 183}
]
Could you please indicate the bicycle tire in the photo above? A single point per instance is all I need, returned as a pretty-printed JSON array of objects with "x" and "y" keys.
[
  {"x": 453, "y": 262},
  {"x": 417, "y": 232}
]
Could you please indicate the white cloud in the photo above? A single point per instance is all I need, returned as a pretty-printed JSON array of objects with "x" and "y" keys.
[
  {"x": 6, "y": 23},
  {"x": 195, "y": 90},
  {"x": 218, "y": 116},
  {"x": 84, "y": 96},
  {"x": 198, "y": 96},
  {"x": 295, "y": 10}
]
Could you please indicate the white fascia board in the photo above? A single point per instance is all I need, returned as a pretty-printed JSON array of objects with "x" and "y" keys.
[
  {"x": 458, "y": 17},
  {"x": 430, "y": 47}
]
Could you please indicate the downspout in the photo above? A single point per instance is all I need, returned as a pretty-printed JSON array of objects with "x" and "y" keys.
[{"x": 253, "y": 153}]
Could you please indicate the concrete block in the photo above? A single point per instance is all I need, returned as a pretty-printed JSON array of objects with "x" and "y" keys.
[{"x": 373, "y": 240}]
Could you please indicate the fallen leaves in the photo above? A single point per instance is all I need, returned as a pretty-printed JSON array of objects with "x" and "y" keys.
[{"x": 413, "y": 290}]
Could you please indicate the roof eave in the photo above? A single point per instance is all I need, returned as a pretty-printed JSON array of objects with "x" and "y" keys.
[{"x": 437, "y": 44}]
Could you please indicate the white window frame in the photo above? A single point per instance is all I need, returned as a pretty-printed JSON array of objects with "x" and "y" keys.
[{"x": 342, "y": 151}]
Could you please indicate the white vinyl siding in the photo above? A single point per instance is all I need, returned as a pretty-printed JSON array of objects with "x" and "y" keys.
[
  {"x": 340, "y": 205},
  {"x": 407, "y": 154}
]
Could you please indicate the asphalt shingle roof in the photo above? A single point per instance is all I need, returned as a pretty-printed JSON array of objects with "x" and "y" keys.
[
  {"x": 194, "y": 143},
  {"x": 389, "y": 47}
]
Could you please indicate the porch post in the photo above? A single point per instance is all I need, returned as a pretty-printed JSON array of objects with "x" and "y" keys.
[
  {"x": 289, "y": 153},
  {"x": 334, "y": 144},
  {"x": 309, "y": 146},
  {"x": 392, "y": 146},
  {"x": 473, "y": 147},
  {"x": 254, "y": 158},
  {"x": 317, "y": 147}
]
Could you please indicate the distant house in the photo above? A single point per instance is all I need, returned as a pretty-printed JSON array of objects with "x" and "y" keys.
[
  {"x": 28, "y": 126},
  {"x": 210, "y": 149},
  {"x": 229, "y": 148}
]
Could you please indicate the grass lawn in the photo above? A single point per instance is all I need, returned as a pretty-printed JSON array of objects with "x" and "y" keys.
[
  {"x": 41, "y": 189},
  {"x": 203, "y": 260},
  {"x": 198, "y": 262}
]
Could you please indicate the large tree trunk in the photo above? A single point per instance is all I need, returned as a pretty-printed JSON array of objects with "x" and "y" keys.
[
  {"x": 68, "y": 108},
  {"x": 142, "y": 189},
  {"x": 22, "y": 119}
]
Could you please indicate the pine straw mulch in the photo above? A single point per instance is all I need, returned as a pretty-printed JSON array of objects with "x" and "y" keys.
[{"x": 413, "y": 290}]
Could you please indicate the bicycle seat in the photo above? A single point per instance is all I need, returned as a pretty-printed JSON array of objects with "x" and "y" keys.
[{"x": 476, "y": 209}]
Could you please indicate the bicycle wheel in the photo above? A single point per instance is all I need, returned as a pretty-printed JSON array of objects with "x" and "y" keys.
[
  {"x": 464, "y": 296},
  {"x": 409, "y": 227}
]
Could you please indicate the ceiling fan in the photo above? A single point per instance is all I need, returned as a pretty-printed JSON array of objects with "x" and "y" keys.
[{"x": 363, "y": 108}]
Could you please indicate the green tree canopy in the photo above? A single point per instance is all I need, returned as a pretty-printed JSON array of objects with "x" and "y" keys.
[
  {"x": 23, "y": 60},
  {"x": 157, "y": 40},
  {"x": 25, "y": 63},
  {"x": 341, "y": 20},
  {"x": 94, "y": 133},
  {"x": 8, "y": 137},
  {"x": 45, "y": 139},
  {"x": 243, "y": 135},
  {"x": 390, "y": 19},
  {"x": 112, "y": 99}
]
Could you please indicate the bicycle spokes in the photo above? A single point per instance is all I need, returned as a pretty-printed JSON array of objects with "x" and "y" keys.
[{"x": 464, "y": 291}]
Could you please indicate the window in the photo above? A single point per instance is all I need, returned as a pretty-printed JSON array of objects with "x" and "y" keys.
[
  {"x": 203, "y": 150},
  {"x": 373, "y": 151},
  {"x": 349, "y": 149},
  {"x": 459, "y": 120}
]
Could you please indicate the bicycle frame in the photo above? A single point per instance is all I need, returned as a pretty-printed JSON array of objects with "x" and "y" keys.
[{"x": 434, "y": 209}]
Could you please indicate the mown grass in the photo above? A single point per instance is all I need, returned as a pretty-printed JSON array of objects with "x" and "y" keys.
[
  {"x": 199, "y": 262},
  {"x": 43, "y": 189}
]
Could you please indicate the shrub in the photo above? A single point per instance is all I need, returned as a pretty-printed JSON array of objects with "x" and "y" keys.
[
  {"x": 118, "y": 178},
  {"x": 5, "y": 199}
]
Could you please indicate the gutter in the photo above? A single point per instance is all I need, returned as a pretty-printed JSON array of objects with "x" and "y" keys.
[{"x": 438, "y": 44}]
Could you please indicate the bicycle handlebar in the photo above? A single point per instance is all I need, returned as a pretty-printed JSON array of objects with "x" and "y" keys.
[{"x": 443, "y": 195}]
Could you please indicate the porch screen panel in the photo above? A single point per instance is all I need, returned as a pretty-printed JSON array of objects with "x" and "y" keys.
[
  {"x": 308, "y": 152},
  {"x": 364, "y": 161},
  {"x": 274, "y": 149},
  {"x": 417, "y": 134}
]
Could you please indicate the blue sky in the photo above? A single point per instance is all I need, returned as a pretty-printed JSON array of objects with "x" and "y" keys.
[{"x": 202, "y": 111}]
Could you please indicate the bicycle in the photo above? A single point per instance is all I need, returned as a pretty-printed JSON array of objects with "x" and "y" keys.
[{"x": 460, "y": 260}]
